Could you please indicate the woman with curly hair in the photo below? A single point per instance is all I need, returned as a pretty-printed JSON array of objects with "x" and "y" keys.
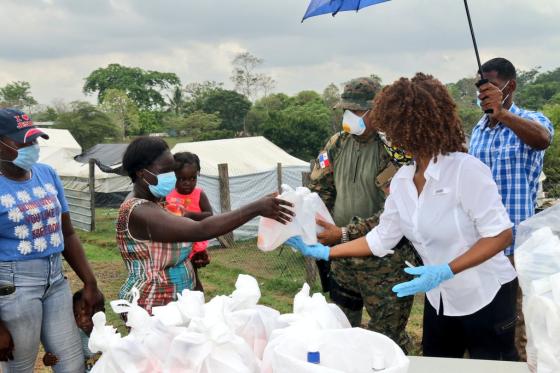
[{"x": 447, "y": 204}]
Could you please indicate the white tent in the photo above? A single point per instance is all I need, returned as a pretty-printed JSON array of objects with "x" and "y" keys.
[
  {"x": 252, "y": 167},
  {"x": 59, "y": 152}
]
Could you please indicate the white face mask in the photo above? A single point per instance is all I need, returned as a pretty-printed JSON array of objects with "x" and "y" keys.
[{"x": 353, "y": 124}]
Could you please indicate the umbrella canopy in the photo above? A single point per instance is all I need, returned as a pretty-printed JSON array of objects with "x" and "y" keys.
[{"x": 318, "y": 7}]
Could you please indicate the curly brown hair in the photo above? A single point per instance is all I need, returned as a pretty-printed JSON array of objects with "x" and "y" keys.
[{"x": 419, "y": 116}]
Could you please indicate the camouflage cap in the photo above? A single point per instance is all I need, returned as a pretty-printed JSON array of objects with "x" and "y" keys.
[{"x": 358, "y": 94}]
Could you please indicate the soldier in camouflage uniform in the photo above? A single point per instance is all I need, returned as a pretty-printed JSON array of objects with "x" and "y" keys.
[{"x": 350, "y": 176}]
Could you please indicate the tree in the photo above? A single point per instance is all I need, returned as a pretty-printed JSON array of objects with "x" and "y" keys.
[
  {"x": 176, "y": 101},
  {"x": 539, "y": 89},
  {"x": 88, "y": 125},
  {"x": 267, "y": 84},
  {"x": 197, "y": 125},
  {"x": 230, "y": 106},
  {"x": 17, "y": 95},
  {"x": 246, "y": 80},
  {"x": 48, "y": 115},
  {"x": 261, "y": 109},
  {"x": 195, "y": 93},
  {"x": 300, "y": 129},
  {"x": 243, "y": 76},
  {"x": 122, "y": 110},
  {"x": 552, "y": 155},
  {"x": 143, "y": 87},
  {"x": 331, "y": 96},
  {"x": 525, "y": 77},
  {"x": 150, "y": 122},
  {"x": 464, "y": 92}
]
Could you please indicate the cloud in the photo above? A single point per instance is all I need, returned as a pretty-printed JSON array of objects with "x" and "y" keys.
[{"x": 55, "y": 44}]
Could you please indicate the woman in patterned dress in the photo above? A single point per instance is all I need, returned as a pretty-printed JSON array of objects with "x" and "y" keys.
[{"x": 155, "y": 244}]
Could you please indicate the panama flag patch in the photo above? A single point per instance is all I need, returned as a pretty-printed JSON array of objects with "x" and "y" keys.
[{"x": 324, "y": 160}]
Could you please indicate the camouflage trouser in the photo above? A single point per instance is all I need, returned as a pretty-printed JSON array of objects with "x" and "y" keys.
[
  {"x": 520, "y": 333},
  {"x": 356, "y": 282}
]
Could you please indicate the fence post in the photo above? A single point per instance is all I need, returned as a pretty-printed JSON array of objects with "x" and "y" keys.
[
  {"x": 225, "y": 203},
  {"x": 310, "y": 267},
  {"x": 279, "y": 176},
  {"x": 91, "y": 184}
]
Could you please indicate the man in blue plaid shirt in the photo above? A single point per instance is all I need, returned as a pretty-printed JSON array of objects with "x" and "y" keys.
[{"x": 511, "y": 141}]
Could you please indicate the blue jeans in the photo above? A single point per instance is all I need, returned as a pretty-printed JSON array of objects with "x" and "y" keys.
[{"x": 40, "y": 310}]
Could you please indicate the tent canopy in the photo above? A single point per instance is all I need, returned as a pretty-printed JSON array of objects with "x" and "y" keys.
[
  {"x": 107, "y": 156},
  {"x": 244, "y": 156},
  {"x": 59, "y": 152}
]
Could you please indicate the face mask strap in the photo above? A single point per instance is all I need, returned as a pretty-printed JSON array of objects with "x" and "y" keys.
[{"x": 14, "y": 149}]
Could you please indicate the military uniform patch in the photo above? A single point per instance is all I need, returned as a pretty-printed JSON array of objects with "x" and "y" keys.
[{"x": 324, "y": 161}]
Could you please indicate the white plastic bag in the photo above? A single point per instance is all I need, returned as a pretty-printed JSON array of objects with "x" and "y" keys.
[
  {"x": 119, "y": 355},
  {"x": 209, "y": 346},
  {"x": 189, "y": 305},
  {"x": 315, "y": 312},
  {"x": 311, "y": 314},
  {"x": 149, "y": 339},
  {"x": 537, "y": 261},
  {"x": 307, "y": 208},
  {"x": 241, "y": 313},
  {"x": 353, "y": 350}
]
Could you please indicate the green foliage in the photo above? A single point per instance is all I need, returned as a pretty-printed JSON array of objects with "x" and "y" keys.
[
  {"x": 552, "y": 154},
  {"x": 230, "y": 106},
  {"x": 17, "y": 95},
  {"x": 143, "y": 87},
  {"x": 176, "y": 101},
  {"x": 49, "y": 115},
  {"x": 301, "y": 128},
  {"x": 149, "y": 122},
  {"x": 88, "y": 124},
  {"x": 539, "y": 90},
  {"x": 122, "y": 110},
  {"x": 197, "y": 126}
]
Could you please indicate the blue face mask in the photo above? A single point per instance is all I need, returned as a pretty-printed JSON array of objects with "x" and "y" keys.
[
  {"x": 26, "y": 157},
  {"x": 166, "y": 184}
]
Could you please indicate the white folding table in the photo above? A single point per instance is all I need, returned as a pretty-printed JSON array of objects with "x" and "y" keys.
[{"x": 420, "y": 364}]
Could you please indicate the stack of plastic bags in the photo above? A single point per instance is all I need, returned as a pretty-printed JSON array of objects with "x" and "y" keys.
[
  {"x": 537, "y": 260},
  {"x": 233, "y": 334},
  {"x": 307, "y": 207}
]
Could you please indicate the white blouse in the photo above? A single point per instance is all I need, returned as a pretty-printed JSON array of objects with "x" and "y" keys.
[{"x": 459, "y": 205}]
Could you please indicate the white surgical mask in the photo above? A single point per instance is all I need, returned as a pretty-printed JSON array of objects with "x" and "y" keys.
[{"x": 353, "y": 124}]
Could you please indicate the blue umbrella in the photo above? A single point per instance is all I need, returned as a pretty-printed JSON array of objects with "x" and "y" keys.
[{"x": 319, "y": 7}]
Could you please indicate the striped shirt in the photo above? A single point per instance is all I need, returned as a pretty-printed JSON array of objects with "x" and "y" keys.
[
  {"x": 515, "y": 166},
  {"x": 159, "y": 270}
]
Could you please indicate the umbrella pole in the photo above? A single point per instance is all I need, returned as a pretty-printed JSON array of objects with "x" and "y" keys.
[
  {"x": 482, "y": 79},
  {"x": 473, "y": 37}
]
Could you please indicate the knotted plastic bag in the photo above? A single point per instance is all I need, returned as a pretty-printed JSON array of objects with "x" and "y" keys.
[
  {"x": 307, "y": 208},
  {"x": 119, "y": 355},
  {"x": 252, "y": 322},
  {"x": 147, "y": 334},
  {"x": 209, "y": 346}
]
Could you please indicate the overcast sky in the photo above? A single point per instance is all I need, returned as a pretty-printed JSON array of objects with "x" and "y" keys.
[{"x": 55, "y": 44}]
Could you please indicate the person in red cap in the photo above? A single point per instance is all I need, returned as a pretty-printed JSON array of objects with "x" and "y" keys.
[{"x": 35, "y": 233}]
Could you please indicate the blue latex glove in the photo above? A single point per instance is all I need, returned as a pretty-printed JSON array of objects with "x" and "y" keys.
[
  {"x": 317, "y": 251},
  {"x": 430, "y": 278}
]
